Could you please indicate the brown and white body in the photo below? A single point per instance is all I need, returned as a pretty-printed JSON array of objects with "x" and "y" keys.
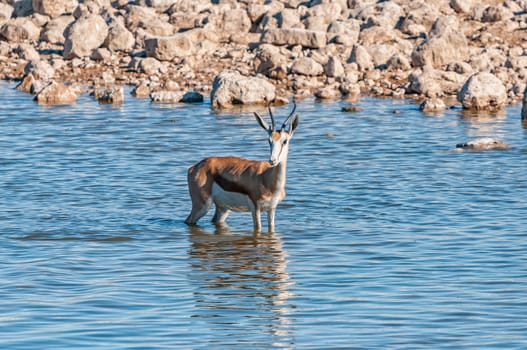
[{"x": 242, "y": 185}]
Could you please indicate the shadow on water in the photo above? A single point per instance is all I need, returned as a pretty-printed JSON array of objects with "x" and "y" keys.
[{"x": 241, "y": 280}]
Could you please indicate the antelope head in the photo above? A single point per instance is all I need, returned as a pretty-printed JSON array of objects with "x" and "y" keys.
[{"x": 279, "y": 139}]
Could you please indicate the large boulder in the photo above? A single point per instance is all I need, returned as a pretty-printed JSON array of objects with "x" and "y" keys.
[
  {"x": 57, "y": 93},
  {"x": 85, "y": 35},
  {"x": 119, "y": 38},
  {"x": 306, "y": 38},
  {"x": 433, "y": 82},
  {"x": 19, "y": 29},
  {"x": 307, "y": 66},
  {"x": 54, "y": 8},
  {"x": 169, "y": 47},
  {"x": 446, "y": 43},
  {"x": 483, "y": 91},
  {"x": 230, "y": 88},
  {"x": 54, "y": 30}
]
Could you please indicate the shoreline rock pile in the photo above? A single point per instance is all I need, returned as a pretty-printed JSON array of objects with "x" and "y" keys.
[{"x": 475, "y": 50}]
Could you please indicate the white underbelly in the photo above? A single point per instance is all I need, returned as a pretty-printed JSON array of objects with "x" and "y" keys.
[{"x": 231, "y": 200}]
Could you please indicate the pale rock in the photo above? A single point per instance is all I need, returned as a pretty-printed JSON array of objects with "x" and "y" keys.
[
  {"x": 446, "y": 43},
  {"x": 150, "y": 66},
  {"x": 6, "y": 11},
  {"x": 19, "y": 29},
  {"x": 230, "y": 21},
  {"x": 271, "y": 61},
  {"x": 495, "y": 14},
  {"x": 168, "y": 96},
  {"x": 361, "y": 57},
  {"x": 141, "y": 90},
  {"x": 306, "y": 38},
  {"x": 159, "y": 5},
  {"x": 344, "y": 32},
  {"x": 421, "y": 16},
  {"x": 334, "y": 68},
  {"x": 381, "y": 53},
  {"x": 329, "y": 10},
  {"x": 315, "y": 23},
  {"x": 119, "y": 38},
  {"x": 307, "y": 66},
  {"x": 147, "y": 19},
  {"x": 327, "y": 93},
  {"x": 231, "y": 88},
  {"x": 434, "y": 83},
  {"x": 85, "y": 35},
  {"x": 352, "y": 90},
  {"x": 101, "y": 54},
  {"x": 29, "y": 84},
  {"x": 288, "y": 18},
  {"x": 460, "y": 68},
  {"x": 462, "y": 6},
  {"x": 54, "y": 8},
  {"x": 54, "y": 30},
  {"x": 27, "y": 52},
  {"x": 483, "y": 91},
  {"x": 483, "y": 144},
  {"x": 40, "y": 70},
  {"x": 383, "y": 14},
  {"x": 432, "y": 105},
  {"x": 168, "y": 48},
  {"x": 109, "y": 95},
  {"x": 57, "y": 94},
  {"x": 192, "y": 6},
  {"x": 399, "y": 62}
]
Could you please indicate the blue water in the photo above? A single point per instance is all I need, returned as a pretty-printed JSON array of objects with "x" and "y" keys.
[{"x": 386, "y": 239}]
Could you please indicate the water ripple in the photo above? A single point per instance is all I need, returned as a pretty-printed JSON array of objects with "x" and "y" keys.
[{"x": 385, "y": 239}]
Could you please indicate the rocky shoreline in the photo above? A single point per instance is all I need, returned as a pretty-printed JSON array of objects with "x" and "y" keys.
[{"x": 252, "y": 51}]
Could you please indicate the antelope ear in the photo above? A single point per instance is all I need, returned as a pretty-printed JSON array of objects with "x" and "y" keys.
[
  {"x": 262, "y": 122},
  {"x": 294, "y": 124}
]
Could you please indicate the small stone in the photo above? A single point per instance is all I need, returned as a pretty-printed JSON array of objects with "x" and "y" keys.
[
  {"x": 112, "y": 95},
  {"x": 351, "y": 109},
  {"x": 165, "y": 96},
  {"x": 431, "y": 105},
  {"x": 141, "y": 90},
  {"x": 483, "y": 144},
  {"x": 192, "y": 97},
  {"x": 57, "y": 93}
]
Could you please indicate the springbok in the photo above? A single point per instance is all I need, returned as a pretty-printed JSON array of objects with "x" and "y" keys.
[{"x": 243, "y": 185}]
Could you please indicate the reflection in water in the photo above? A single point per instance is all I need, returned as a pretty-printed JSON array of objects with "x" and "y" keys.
[
  {"x": 483, "y": 123},
  {"x": 241, "y": 287}
]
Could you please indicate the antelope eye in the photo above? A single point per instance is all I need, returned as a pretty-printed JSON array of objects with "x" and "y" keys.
[{"x": 285, "y": 142}]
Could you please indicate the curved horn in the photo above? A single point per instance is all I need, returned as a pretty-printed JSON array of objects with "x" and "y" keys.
[
  {"x": 289, "y": 117},
  {"x": 271, "y": 115}
]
